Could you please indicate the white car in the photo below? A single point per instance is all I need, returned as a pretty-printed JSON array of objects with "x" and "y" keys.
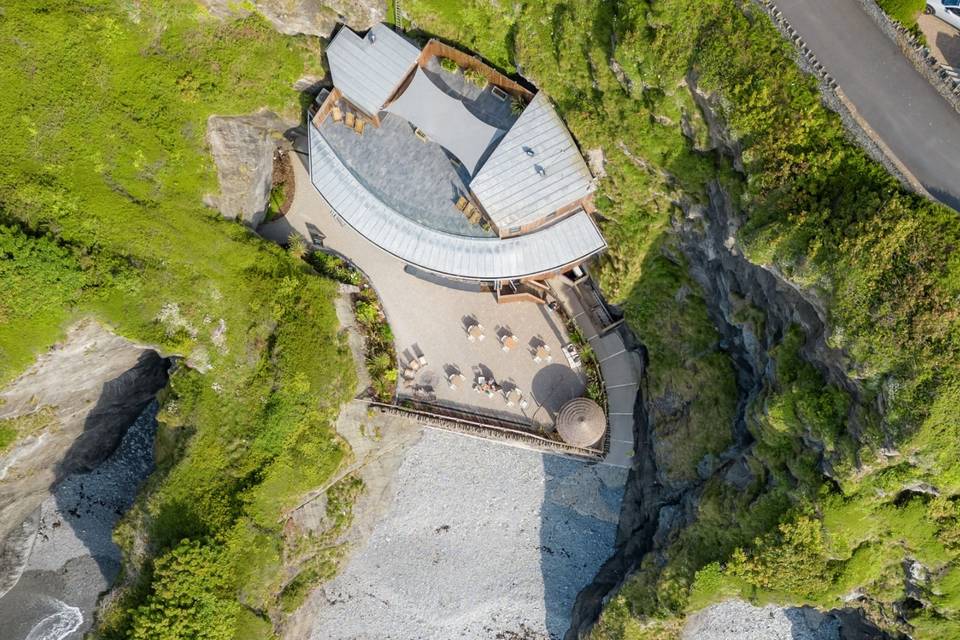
[{"x": 946, "y": 10}]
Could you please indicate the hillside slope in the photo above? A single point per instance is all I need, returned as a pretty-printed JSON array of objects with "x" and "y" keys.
[
  {"x": 104, "y": 168},
  {"x": 798, "y": 307}
]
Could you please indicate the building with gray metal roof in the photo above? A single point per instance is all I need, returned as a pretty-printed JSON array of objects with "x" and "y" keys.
[
  {"x": 562, "y": 245},
  {"x": 437, "y": 171},
  {"x": 536, "y": 170},
  {"x": 368, "y": 70}
]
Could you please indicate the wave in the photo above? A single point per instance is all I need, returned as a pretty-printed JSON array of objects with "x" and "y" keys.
[{"x": 57, "y": 625}]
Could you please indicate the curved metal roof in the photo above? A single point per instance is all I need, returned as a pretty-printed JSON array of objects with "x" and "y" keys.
[{"x": 571, "y": 240}]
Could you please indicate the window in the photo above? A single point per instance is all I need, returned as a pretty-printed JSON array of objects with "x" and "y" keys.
[{"x": 514, "y": 230}]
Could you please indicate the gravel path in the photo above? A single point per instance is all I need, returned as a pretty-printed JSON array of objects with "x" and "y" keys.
[
  {"x": 482, "y": 541},
  {"x": 73, "y": 557},
  {"x": 739, "y": 620}
]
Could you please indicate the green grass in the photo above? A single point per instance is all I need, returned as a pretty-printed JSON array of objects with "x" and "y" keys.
[
  {"x": 101, "y": 214},
  {"x": 12, "y": 429},
  {"x": 903, "y": 11}
]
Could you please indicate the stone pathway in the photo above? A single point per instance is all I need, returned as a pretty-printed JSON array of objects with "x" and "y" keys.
[{"x": 621, "y": 375}]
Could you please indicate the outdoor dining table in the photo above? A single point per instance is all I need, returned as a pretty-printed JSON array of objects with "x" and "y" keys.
[
  {"x": 509, "y": 342},
  {"x": 543, "y": 353},
  {"x": 475, "y": 332},
  {"x": 514, "y": 397},
  {"x": 455, "y": 380}
]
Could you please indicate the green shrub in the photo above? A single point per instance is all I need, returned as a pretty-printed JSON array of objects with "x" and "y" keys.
[
  {"x": 190, "y": 597},
  {"x": 475, "y": 77},
  {"x": 792, "y": 561},
  {"x": 903, "y": 11},
  {"x": 448, "y": 64}
]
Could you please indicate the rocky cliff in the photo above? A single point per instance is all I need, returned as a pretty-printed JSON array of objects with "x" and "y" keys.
[
  {"x": 309, "y": 17},
  {"x": 72, "y": 409},
  {"x": 243, "y": 149},
  {"x": 753, "y": 308}
]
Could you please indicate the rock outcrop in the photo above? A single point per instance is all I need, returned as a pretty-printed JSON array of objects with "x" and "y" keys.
[
  {"x": 91, "y": 388},
  {"x": 655, "y": 511},
  {"x": 309, "y": 17},
  {"x": 243, "y": 149}
]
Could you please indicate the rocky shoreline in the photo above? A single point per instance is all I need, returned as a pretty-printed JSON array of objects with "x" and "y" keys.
[{"x": 72, "y": 558}]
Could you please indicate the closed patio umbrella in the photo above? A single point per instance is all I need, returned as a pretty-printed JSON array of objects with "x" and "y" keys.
[{"x": 581, "y": 422}]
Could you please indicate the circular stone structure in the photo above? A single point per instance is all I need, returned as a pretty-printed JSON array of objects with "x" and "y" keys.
[{"x": 581, "y": 422}]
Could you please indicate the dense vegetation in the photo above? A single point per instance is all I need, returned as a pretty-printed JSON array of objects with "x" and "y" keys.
[
  {"x": 102, "y": 122},
  {"x": 826, "y": 512}
]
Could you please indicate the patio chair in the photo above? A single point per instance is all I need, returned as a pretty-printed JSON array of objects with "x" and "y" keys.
[
  {"x": 462, "y": 203},
  {"x": 422, "y": 360},
  {"x": 349, "y": 119},
  {"x": 336, "y": 114},
  {"x": 415, "y": 364},
  {"x": 524, "y": 404},
  {"x": 358, "y": 126},
  {"x": 409, "y": 374}
]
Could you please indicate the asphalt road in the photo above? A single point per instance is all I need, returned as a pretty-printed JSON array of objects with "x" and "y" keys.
[{"x": 901, "y": 106}]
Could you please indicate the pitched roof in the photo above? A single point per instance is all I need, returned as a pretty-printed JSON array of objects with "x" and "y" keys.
[
  {"x": 367, "y": 70},
  {"x": 571, "y": 240},
  {"x": 445, "y": 119},
  {"x": 535, "y": 170}
]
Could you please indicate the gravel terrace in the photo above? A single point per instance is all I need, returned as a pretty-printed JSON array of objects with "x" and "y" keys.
[
  {"x": 481, "y": 539},
  {"x": 943, "y": 39}
]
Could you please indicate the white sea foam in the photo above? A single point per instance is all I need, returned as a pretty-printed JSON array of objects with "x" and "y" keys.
[{"x": 59, "y": 624}]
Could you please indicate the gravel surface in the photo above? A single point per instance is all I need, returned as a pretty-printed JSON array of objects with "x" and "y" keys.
[
  {"x": 73, "y": 557},
  {"x": 739, "y": 620},
  {"x": 482, "y": 540}
]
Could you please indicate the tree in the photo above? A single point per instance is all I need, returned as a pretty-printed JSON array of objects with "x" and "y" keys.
[{"x": 192, "y": 596}]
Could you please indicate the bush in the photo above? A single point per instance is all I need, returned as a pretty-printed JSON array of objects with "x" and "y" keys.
[
  {"x": 448, "y": 64},
  {"x": 793, "y": 560},
  {"x": 475, "y": 77},
  {"x": 190, "y": 596}
]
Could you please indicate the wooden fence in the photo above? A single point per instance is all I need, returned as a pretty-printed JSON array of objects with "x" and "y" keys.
[{"x": 487, "y": 427}]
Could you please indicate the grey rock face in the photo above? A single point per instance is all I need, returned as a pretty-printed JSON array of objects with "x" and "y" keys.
[
  {"x": 96, "y": 384},
  {"x": 242, "y": 148},
  {"x": 309, "y": 17}
]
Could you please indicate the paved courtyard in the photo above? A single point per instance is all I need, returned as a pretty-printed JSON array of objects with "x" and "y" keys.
[{"x": 429, "y": 317}]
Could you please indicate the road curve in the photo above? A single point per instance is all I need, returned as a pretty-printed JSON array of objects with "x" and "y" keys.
[{"x": 901, "y": 106}]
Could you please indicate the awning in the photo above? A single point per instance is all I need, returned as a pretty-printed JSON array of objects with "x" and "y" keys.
[{"x": 445, "y": 120}]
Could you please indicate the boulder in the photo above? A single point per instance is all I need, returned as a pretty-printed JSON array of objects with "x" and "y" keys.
[
  {"x": 243, "y": 148},
  {"x": 309, "y": 17}
]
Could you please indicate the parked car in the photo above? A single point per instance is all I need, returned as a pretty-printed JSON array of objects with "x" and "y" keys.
[{"x": 946, "y": 10}]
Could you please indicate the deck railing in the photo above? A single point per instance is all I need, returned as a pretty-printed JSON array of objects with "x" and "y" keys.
[{"x": 486, "y": 427}]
